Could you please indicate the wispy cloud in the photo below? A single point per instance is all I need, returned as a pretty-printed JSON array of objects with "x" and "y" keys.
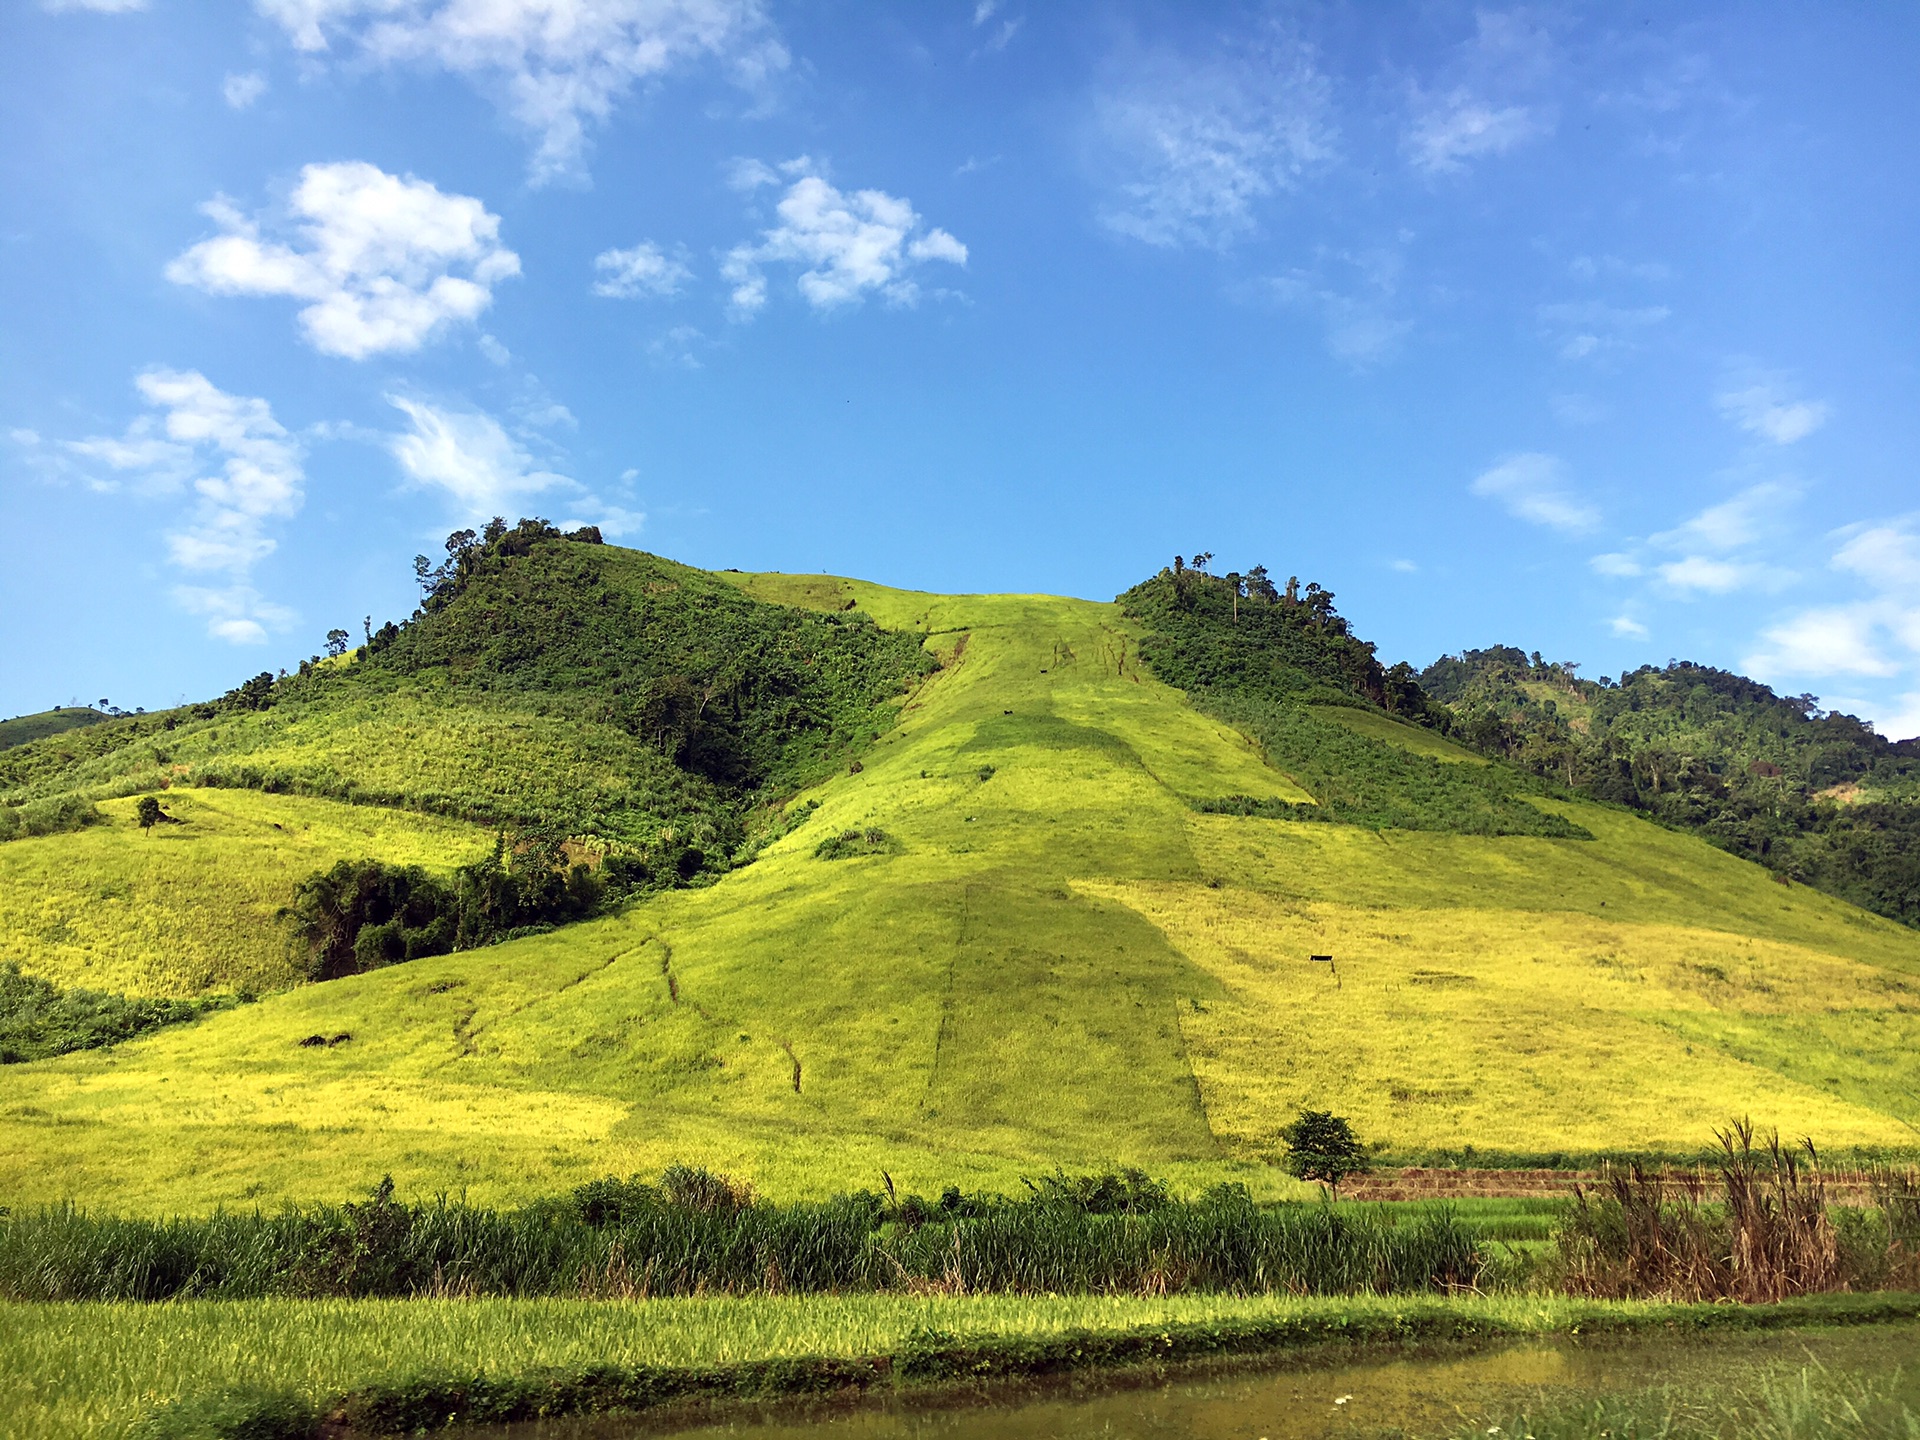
[
  {"x": 1535, "y": 488},
  {"x": 1458, "y": 127},
  {"x": 1190, "y": 145},
  {"x": 1712, "y": 575},
  {"x": 1355, "y": 298},
  {"x": 1765, "y": 407},
  {"x": 1832, "y": 640},
  {"x": 643, "y": 270},
  {"x": 384, "y": 262},
  {"x": 483, "y": 470},
  {"x": 848, "y": 244},
  {"x": 1874, "y": 635},
  {"x": 1582, "y": 329},
  {"x": 240, "y": 91},
  {"x": 246, "y": 472},
  {"x": 1484, "y": 102},
  {"x": 1755, "y": 514},
  {"x": 555, "y": 66}
]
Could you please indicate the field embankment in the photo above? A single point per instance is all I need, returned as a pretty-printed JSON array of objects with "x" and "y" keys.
[{"x": 99, "y": 1371}]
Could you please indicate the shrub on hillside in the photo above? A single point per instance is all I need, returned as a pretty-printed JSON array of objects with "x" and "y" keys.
[
  {"x": 849, "y": 843},
  {"x": 39, "y": 1020},
  {"x": 364, "y": 914},
  {"x": 47, "y": 817}
]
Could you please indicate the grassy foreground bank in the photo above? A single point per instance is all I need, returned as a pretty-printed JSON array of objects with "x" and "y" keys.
[{"x": 104, "y": 1370}]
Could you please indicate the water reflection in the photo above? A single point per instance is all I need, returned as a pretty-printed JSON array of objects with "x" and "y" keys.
[{"x": 1345, "y": 1396}]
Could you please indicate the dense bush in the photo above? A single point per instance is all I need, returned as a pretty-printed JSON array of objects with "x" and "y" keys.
[
  {"x": 1259, "y": 660},
  {"x": 38, "y": 1019},
  {"x": 365, "y": 914},
  {"x": 47, "y": 817},
  {"x": 694, "y": 1233}
]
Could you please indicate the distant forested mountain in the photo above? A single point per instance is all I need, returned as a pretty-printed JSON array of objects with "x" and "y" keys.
[{"x": 1816, "y": 796}]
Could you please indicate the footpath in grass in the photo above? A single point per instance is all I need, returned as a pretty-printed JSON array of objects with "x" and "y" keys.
[{"x": 104, "y": 1370}]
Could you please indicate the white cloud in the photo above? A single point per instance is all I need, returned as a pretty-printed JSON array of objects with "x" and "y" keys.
[
  {"x": 1901, "y": 719},
  {"x": 384, "y": 261},
  {"x": 1191, "y": 146},
  {"x": 1764, "y": 409},
  {"x": 1586, "y": 328},
  {"x": 1627, "y": 627},
  {"x": 1457, "y": 127},
  {"x": 1534, "y": 487},
  {"x": 1832, "y": 640},
  {"x": 470, "y": 456},
  {"x": 1742, "y": 520},
  {"x": 240, "y": 91},
  {"x": 1887, "y": 556},
  {"x": 678, "y": 348},
  {"x": 484, "y": 471},
  {"x": 1617, "y": 564},
  {"x": 1709, "y": 574},
  {"x": 849, "y": 243},
  {"x": 493, "y": 350},
  {"x": 1485, "y": 107},
  {"x": 555, "y": 66},
  {"x": 643, "y": 270},
  {"x": 246, "y": 471},
  {"x": 1405, "y": 567},
  {"x": 236, "y": 613}
]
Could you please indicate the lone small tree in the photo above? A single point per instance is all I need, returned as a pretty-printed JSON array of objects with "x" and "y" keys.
[
  {"x": 148, "y": 812},
  {"x": 337, "y": 643},
  {"x": 1322, "y": 1146}
]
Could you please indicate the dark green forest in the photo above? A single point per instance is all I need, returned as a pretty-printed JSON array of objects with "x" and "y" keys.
[
  {"x": 1815, "y": 796},
  {"x": 1265, "y": 659}
]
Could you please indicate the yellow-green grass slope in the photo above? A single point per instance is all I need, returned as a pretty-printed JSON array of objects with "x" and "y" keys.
[
  {"x": 192, "y": 905},
  {"x": 1064, "y": 964}
]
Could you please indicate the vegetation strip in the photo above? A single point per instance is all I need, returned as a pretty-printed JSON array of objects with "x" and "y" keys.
[{"x": 930, "y": 1357}]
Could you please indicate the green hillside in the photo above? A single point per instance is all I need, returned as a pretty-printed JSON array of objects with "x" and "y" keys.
[
  {"x": 23, "y": 728},
  {"x": 1048, "y": 941},
  {"x": 1815, "y": 796}
]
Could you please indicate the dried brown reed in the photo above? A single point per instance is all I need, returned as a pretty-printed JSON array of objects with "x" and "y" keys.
[{"x": 1771, "y": 1231}]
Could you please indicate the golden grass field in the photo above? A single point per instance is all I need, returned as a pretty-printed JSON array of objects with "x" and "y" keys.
[{"x": 1065, "y": 964}]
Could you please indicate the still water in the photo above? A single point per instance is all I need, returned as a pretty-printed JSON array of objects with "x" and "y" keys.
[{"x": 1347, "y": 1396}]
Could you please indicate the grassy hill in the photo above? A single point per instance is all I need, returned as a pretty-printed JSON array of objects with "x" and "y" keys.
[
  {"x": 24, "y": 728},
  {"x": 1046, "y": 942}
]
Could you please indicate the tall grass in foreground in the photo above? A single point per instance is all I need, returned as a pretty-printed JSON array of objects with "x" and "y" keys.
[
  {"x": 1771, "y": 1234},
  {"x": 660, "y": 1246}
]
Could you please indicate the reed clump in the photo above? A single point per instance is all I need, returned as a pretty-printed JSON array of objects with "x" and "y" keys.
[
  {"x": 699, "y": 1234},
  {"x": 1756, "y": 1228}
]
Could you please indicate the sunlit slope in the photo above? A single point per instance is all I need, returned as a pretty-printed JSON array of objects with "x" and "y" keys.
[
  {"x": 190, "y": 906},
  {"x": 1063, "y": 964}
]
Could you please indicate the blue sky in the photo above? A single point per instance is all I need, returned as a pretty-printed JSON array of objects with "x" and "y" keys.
[{"x": 1585, "y": 329}]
